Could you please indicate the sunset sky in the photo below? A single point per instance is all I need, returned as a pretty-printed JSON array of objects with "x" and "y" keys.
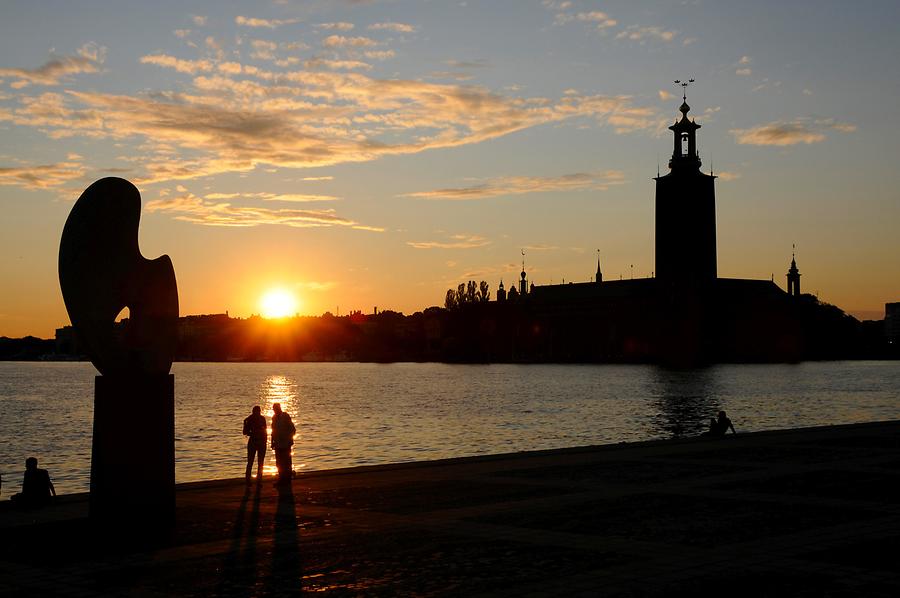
[{"x": 362, "y": 154}]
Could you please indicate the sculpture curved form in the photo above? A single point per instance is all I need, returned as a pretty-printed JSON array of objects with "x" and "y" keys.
[{"x": 102, "y": 271}]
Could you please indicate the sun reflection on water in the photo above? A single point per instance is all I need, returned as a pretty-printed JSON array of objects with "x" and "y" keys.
[{"x": 283, "y": 390}]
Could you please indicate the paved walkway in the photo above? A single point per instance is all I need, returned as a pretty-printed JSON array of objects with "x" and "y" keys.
[{"x": 810, "y": 512}]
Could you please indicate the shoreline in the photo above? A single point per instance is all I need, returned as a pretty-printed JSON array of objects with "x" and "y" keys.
[
  {"x": 511, "y": 456},
  {"x": 781, "y": 512}
]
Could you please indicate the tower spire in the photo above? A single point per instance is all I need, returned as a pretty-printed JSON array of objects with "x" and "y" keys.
[
  {"x": 684, "y": 86},
  {"x": 684, "y": 156},
  {"x": 523, "y": 282},
  {"x": 599, "y": 277},
  {"x": 793, "y": 274}
]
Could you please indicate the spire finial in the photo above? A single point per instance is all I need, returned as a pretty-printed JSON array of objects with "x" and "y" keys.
[{"x": 684, "y": 86}]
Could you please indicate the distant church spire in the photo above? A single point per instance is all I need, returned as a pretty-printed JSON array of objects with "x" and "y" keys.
[
  {"x": 523, "y": 283},
  {"x": 793, "y": 275},
  {"x": 599, "y": 277}
]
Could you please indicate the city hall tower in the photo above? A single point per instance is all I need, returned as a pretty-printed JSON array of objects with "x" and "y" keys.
[{"x": 685, "y": 211}]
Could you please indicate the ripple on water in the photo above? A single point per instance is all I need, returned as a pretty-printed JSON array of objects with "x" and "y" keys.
[{"x": 353, "y": 414}]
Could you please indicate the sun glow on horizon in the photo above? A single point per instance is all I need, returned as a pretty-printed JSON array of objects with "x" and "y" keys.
[{"x": 278, "y": 303}]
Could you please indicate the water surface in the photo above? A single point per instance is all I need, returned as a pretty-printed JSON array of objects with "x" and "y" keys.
[{"x": 358, "y": 413}]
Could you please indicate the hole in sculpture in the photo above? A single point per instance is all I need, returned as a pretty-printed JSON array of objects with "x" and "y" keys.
[{"x": 124, "y": 314}]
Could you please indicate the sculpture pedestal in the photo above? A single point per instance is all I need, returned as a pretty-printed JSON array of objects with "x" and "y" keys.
[{"x": 133, "y": 451}]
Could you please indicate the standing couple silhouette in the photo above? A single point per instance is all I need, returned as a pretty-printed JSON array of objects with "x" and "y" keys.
[{"x": 283, "y": 431}]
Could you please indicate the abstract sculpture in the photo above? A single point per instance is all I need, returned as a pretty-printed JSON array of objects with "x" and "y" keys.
[{"x": 101, "y": 271}]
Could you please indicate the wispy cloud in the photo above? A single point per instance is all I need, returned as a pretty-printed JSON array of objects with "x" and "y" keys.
[
  {"x": 340, "y": 26},
  {"x": 728, "y": 176},
  {"x": 644, "y": 34},
  {"x": 600, "y": 19},
  {"x": 314, "y": 285},
  {"x": 337, "y": 65},
  {"x": 453, "y": 242},
  {"x": 42, "y": 176},
  {"x": 190, "y": 208},
  {"x": 395, "y": 27},
  {"x": 799, "y": 130},
  {"x": 199, "y": 21},
  {"x": 235, "y": 117},
  {"x": 518, "y": 185},
  {"x": 743, "y": 66},
  {"x": 379, "y": 54},
  {"x": 265, "y": 23},
  {"x": 88, "y": 59},
  {"x": 295, "y": 197},
  {"x": 341, "y": 41},
  {"x": 181, "y": 65}
]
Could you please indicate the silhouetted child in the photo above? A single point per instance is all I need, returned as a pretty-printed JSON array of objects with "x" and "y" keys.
[
  {"x": 283, "y": 431},
  {"x": 36, "y": 486},
  {"x": 255, "y": 430}
]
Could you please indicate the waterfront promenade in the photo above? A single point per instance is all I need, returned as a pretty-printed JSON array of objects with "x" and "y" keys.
[{"x": 812, "y": 512}]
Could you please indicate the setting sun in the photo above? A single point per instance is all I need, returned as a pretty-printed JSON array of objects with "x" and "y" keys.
[{"x": 278, "y": 303}]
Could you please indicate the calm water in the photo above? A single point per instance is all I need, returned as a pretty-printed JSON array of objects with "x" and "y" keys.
[{"x": 355, "y": 414}]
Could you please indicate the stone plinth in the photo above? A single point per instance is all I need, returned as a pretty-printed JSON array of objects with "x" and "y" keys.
[{"x": 133, "y": 452}]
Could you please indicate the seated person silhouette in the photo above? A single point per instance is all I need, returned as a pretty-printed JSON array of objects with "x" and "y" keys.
[
  {"x": 36, "y": 486},
  {"x": 718, "y": 427}
]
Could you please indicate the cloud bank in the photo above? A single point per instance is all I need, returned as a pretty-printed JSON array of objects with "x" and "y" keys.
[{"x": 781, "y": 133}]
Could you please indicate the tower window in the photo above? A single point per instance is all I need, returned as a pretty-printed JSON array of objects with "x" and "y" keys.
[{"x": 684, "y": 144}]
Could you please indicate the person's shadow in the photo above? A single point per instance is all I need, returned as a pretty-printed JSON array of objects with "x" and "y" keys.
[
  {"x": 240, "y": 568},
  {"x": 286, "y": 574}
]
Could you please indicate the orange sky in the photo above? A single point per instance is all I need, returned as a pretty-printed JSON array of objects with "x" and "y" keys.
[{"x": 376, "y": 154}]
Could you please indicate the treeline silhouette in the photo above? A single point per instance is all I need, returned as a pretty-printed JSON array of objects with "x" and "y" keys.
[{"x": 467, "y": 293}]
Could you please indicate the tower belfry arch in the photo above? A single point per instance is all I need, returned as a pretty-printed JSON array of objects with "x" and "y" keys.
[{"x": 685, "y": 207}]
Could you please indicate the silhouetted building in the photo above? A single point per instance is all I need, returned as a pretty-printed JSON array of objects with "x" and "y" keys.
[
  {"x": 501, "y": 292},
  {"x": 793, "y": 279},
  {"x": 892, "y": 322},
  {"x": 684, "y": 315},
  {"x": 685, "y": 211}
]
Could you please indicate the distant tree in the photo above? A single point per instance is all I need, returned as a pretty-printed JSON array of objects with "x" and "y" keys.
[
  {"x": 471, "y": 291},
  {"x": 484, "y": 292},
  {"x": 460, "y": 294},
  {"x": 450, "y": 300}
]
